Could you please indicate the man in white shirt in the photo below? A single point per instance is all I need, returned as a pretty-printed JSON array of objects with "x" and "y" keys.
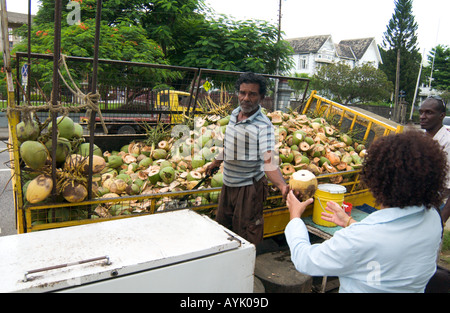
[{"x": 432, "y": 112}]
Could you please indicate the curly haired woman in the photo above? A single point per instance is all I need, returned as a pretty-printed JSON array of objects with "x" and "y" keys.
[{"x": 393, "y": 249}]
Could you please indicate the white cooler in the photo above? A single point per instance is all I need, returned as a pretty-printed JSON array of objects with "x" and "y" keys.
[{"x": 179, "y": 251}]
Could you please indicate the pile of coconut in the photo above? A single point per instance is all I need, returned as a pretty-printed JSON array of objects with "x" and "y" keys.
[
  {"x": 315, "y": 145},
  {"x": 171, "y": 165}
]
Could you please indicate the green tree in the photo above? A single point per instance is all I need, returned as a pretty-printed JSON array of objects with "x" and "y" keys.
[
  {"x": 399, "y": 52},
  {"x": 123, "y": 41},
  {"x": 441, "y": 67},
  {"x": 350, "y": 85},
  {"x": 239, "y": 46}
]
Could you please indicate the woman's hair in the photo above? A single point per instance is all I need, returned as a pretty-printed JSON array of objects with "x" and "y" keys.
[
  {"x": 252, "y": 78},
  {"x": 407, "y": 169}
]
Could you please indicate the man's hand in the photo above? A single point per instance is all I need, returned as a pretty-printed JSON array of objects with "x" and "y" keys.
[{"x": 214, "y": 164}]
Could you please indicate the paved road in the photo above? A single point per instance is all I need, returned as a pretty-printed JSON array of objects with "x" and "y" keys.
[{"x": 7, "y": 216}]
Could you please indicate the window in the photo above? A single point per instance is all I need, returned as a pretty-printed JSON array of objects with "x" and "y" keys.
[{"x": 303, "y": 62}]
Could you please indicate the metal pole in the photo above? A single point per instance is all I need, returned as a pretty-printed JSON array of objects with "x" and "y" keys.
[
  {"x": 29, "y": 53},
  {"x": 94, "y": 90},
  {"x": 417, "y": 86},
  {"x": 55, "y": 90},
  {"x": 275, "y": 96}
]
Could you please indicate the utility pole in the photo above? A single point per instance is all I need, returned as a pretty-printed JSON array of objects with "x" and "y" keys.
[
  {"x": 417, "y": 86},
  {"x": 275, "y": 97},
  {"x": 397, "y": 88}
]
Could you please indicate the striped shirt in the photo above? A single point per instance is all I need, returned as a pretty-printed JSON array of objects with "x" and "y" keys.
[{"x": 244, "y": 146}]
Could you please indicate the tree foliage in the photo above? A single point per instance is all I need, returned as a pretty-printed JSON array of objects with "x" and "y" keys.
[
  {"x": 439, "y": 59},
  {"x": 239, "y": 46},
  {"x": 191, "y": 34},
  {"x": 123, "y": 41},
  {"x": 401, "y": 36},
  {"x": 350, "y": 85}
]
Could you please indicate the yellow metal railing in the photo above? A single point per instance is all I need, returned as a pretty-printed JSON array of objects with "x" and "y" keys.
[{"x": 327, "y": 108}]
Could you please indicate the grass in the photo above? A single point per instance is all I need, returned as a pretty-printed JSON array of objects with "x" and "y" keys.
[
  {"x": 446, "y": 241},
  {"x": 444, "y": 258}
]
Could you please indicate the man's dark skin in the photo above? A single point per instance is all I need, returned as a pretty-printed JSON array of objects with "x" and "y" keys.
[{"x": 432, "y": 113}]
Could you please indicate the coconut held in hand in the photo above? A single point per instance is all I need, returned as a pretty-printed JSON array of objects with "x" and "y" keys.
[{"x": 305, "y": 183}]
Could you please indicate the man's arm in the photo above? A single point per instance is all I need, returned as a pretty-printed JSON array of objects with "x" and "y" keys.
[
  {"x": 273, "y": 173},
  {"x": 215, "y": 163}
]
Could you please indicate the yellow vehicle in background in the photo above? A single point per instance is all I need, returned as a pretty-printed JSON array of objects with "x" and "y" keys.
[
  {"x": 177, "y": 102},
  {"x": 169, "y": 107}
]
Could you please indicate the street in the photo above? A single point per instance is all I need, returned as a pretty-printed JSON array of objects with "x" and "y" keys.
[{"x": 7, "y": 217}]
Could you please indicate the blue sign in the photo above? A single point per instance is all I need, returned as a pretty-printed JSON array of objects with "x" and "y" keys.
[{"x": 25, "y": 70}]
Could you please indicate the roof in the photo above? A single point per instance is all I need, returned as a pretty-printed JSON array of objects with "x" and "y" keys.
[
  {"x": 310, "y": 44},
  {"x": 344, "y": 52},
  {"x": 358, "y": 46},
  {"x": 18, "y": 18}
]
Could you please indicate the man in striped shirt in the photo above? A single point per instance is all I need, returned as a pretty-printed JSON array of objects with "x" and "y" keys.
[{"x": 248, "y": 157}]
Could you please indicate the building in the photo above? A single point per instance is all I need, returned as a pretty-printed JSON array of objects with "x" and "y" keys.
[
  {"x": 310, "y": 53},
  {"x": 15, "y": 20}
]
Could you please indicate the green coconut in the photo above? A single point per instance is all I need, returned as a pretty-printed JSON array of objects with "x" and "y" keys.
[
  {"x": 59, "y": 214},
  {"x": 167, "y": 174},
  {"x": 158, "y": 154},
  {"x": 347, "y": 139},
  {"x": 114, "y": 161},
  {"x": 286, "y": 156},
  {"x": 132, "y": 189},
  {"x": 77, "y": 130},
  {"x": 224, "y": 121},
  {"x": 297, "y": 137},
  {"x": 165, "y": 163},
  {"x": 125, "y": 177},
  {"x": 207, "y": 154},
  {"x": 197, "y": 161},
  {"x": 63, "y": 149},
  {"x": 217, "y": 180},
  {"x": 27, "y": 131},
  {"x": 83, "y": 149},
  {"x": 34, "y": 154},
  {"x": 65, "y": 126},
  {"x": 214, "y": 196},
  {"x": 145, "y": 162},
  {"x": 153, "y": 176},
  {"x": 193, "y": 176}
]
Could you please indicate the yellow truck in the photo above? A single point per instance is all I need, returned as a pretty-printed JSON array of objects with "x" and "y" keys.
[
  {"x": 169, "y": 108},
  {"x": 54, "y": 215}
]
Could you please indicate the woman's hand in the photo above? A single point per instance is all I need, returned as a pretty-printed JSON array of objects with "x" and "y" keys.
[
  {"x": 339, "y": 217},
  {"x": 296, "y": 208}
]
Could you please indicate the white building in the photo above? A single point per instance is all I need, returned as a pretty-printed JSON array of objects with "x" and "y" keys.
[
  {"x": 15, "y": 20},
  {"x": 310, "y": 53}
]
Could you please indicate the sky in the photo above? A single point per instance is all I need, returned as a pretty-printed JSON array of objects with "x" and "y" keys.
[{"x": 344, "y": 19}]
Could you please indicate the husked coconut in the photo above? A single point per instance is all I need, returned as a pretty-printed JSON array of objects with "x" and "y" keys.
[{"x": 304, "y": 182}]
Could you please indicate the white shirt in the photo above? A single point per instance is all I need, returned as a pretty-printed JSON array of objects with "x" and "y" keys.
[
  {"x": 391, "y": 250},
  {"x": 443, "y": 137}
]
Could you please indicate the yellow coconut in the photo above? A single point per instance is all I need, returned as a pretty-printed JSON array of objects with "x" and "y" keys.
[{"x": 39, "y": 189}]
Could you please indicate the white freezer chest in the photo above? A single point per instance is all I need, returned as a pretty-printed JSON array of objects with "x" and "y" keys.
[{"x": 179, "y": 251}]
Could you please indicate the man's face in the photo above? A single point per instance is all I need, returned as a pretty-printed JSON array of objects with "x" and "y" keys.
[
  {"x": 430, "y": 117},
  {"x": 249, "y": 97}
]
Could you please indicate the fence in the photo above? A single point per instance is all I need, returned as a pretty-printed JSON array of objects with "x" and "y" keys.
[
  {"x": 142, "y": 89},
  {"x": 130, "y": 93}
]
